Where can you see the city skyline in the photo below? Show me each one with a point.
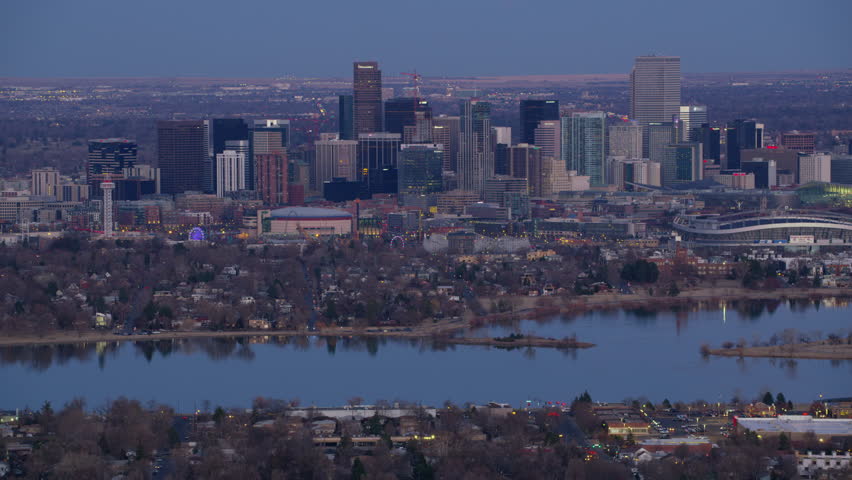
(169, 40)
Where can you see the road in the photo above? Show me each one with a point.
(164, 464)
(571, 431)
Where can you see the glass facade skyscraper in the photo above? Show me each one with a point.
(476, 155)
(584, 145)
(419, 169)
(681, 163)
(346, 117)
(377, 161)
(533, 112)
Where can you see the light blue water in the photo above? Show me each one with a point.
(654, 355)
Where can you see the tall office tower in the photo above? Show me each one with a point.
(377, 161)
(182, 153)
(841, 169)
(765, 172)
(798, 141)
(711, 143)
(108, 155)
(548, 137)
(346, 117)
(421, 131)
(502, 135)
(445, 131)
(419, 171)
(742, 135)
(628, 172)
(625, 140)
(222, 131)
(681, 163)
(814, 167)
(501, 159)
(476, 157)
(660, 134)
(271, 172)
(408, 112)
(525, 162)
(532, 113)
(230, 172)
(267, 136)
(335, 159)
(692, 117)
(367, 97)
(43, 181)
(584, 145)
(654, 92)
(107, 187)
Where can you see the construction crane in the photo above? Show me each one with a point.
(415, 79)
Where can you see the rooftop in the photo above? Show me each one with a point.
(798, 424)
(309, 212)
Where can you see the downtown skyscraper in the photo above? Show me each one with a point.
(367, 97)
(654, 92)
(584, 145)
(182, 154)
(476, 156)
(532, 113)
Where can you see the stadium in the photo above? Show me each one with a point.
(305, 221)
(784, 227)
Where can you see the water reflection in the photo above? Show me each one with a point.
(43, 357)
(644, 318)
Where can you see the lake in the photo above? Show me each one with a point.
(638, 354)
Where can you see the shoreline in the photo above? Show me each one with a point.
(821, 350)
(525, 341)
(528, 308)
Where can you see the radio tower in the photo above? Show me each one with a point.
(107, 186)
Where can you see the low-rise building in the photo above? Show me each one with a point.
(796, 427)
(812, 464)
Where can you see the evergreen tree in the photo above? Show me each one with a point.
(768, 398)
(358, 470)
(218, 415)
(783, 442)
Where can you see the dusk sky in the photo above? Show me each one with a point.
(253, 38)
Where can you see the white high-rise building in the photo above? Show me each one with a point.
(503, 135)
(691, 118)
(654, 91)
(814, 167)
(230, 172)
(107, 186)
